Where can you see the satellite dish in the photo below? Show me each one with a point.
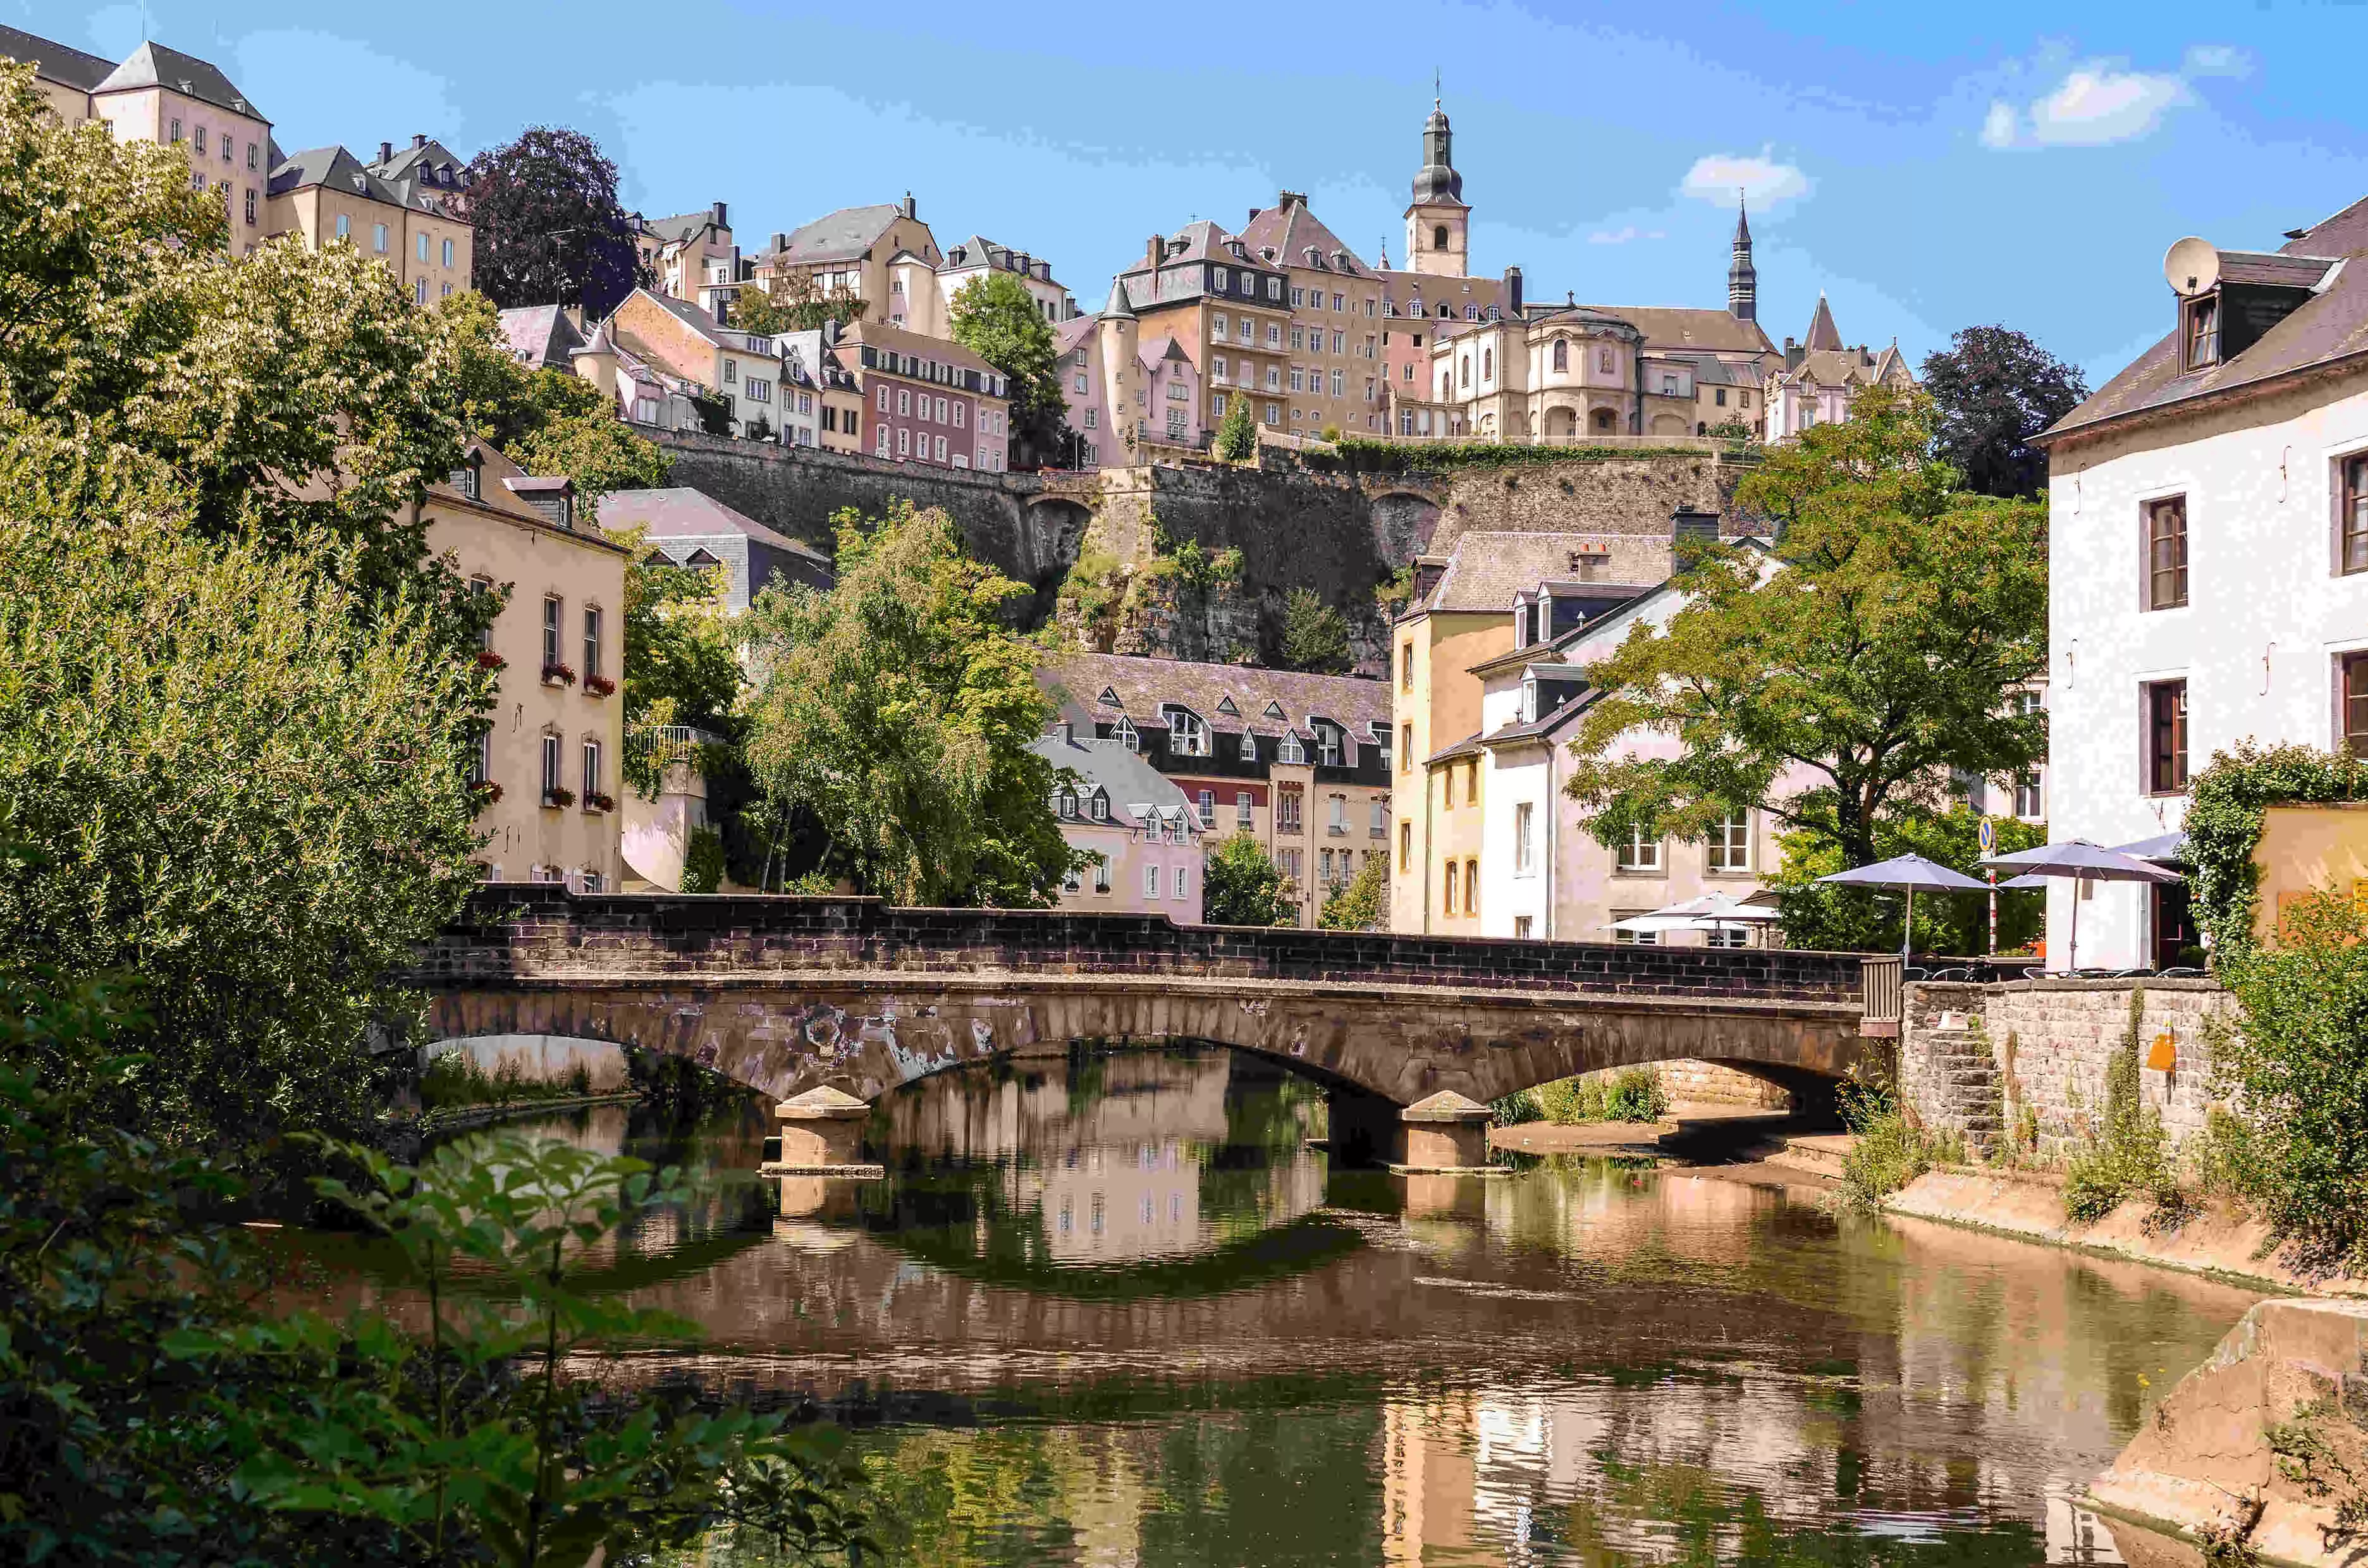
(2192, 266)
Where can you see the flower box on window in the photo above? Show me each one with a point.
(488, 793)
(598, 686)
(558, 674)
(558, 795)
(489, 660)
(596, 801)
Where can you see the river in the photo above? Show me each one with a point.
(1118, 1312)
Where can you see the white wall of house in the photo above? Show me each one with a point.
(2260, 642)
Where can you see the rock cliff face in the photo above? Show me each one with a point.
(2254, 1455)
(1340, 535)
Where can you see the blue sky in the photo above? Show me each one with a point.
(1928, 167)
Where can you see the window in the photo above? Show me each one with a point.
(1729, 845)
(550, 764)
(1439, 236)
(1718, 396)
(254, 155)
(1187, 735)
(551, 608)
(961, 415)
(1092, 421)
(1525, 860)
(1290, 752)
(941, 449)
(422, 245)
(481, 758)
(1151, 882)
(419, 290)
(1124, 734)
(591, 770)
(1101, 813)
(1405, 843)
(1471, 782)
(851, 416)
(730, 372)
(1405, 749)
(1381, 823)
(2027, 803)
(1242, 804)
(1632, 938)
(2204, 333)
(250, 207)
(2166, 707)
(196, 140)
(1640, 853)
(1249, 746)
(1447, 907)
(378, 238)
(757, 389)
(1562, 354)
(1070, 882)
(1603, 360)
(2166, 553)
(1287, 809)
(1339, 826)
(2354, 695)
(1487, 364)
(904, 442)
(1180, 874)
(882, 402)
(344, 225)
(881, 443)
(2354, 516)
(905, 401)
(1471, 887)
(448, 253)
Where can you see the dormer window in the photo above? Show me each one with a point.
(1225, 705)
(1101, 808)
(1292, 753)
(1249, 746)
(1124, 734)
(1274, 711)
(2203, 332)
(1069, 807)
(1529, 701)
(1109, 699)
(1187, 735)
(464, 477)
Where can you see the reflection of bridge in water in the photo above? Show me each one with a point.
(788, 995)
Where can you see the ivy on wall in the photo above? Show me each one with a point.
(2226, 805)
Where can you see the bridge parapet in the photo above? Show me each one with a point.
(515, 931)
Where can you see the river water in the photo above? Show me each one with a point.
(1116, 1312)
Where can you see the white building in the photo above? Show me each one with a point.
(977, 256)
(2208, 549)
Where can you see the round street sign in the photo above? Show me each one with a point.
(1989, 836)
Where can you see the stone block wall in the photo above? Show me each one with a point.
(2034, 1052)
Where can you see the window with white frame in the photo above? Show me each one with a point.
(591, 770)
(1249, 746)
(1151, 882)
(1181, 873)
(1292, 753)
(591, 641)
(1638, 853)
(1101, 874)
(1243, 801)
(1124, 734)
(553, 778)
(1187, 735)
(1525, 852)
(1729, 846)
(1208, 804)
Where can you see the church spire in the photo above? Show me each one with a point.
(1742, 277)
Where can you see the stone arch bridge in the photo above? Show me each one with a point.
(789, 993)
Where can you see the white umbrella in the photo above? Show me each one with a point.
(1907, 873)
(2078, 857)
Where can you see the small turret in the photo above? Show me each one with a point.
(1742, 277)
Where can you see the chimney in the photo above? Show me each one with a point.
(1068, 732)
(418, 139)
(385, 153)
(1428, 570)
(830, 333)
(910, 210)
(780, 241)
(1253, 217)
(1512, 290)
(716, 211)
(1150, 251)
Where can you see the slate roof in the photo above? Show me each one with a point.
(1672, 326)
(1163, 346)
(1290, 227)
(424, 155)
(1141, 685)
(979, 251)
(681, 512)
(1068, 335)
(1487, 570)
(337, 167)
(682, 227)
(541, 335)
(153, 65)
(2329, 328)
(58, 62)
(1823, 334)
(842, 235)
(1136, 790)
(945, 351)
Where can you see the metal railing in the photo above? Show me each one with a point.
(1880, 980)
(664, 745)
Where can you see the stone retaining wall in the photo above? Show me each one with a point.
(2025, 1061)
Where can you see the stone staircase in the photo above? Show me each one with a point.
(1962, 1092)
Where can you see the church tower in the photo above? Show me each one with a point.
(1437, 223)
(1742, 277)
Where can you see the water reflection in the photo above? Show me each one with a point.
(1114, 1311)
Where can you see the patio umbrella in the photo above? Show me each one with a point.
(2168, 847)
(2078, 857)
(1907, 873)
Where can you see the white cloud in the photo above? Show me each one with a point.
(2101, 102)
(1761, 178)
(1624, 235)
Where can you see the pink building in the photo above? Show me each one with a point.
(1145, 834)
(932, 400)
(1127, 397)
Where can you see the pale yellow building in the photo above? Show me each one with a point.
(329, 197)
(883, 255)
(691, 257)
(1335, 378)
(551, 762)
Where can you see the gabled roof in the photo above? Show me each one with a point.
(153, 65)
(424, 154)
(58, 62)
(885, 334)
(1069, 335)
(1487, 570)
(1163, 347)
(683, 227)
(842, 235)
(2331, 326)
(1822, 331)
(1841, 368)
(334, 168)
(1291, 228)
(541, 335)
(979, 251)
(681, 512)
(1137, 790)
(1273, 701)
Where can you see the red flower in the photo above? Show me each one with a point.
(488, 793)
(558, 674)
(558, 795)
(596, 801)
(489, 660)
(598, 686)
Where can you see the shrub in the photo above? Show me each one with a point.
(1513, 1109)
(2129, 1156)
(703, 860)
(1885, 1156)
(1633, 1093)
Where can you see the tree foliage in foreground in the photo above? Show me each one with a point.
(1848, 919)
(152, 1411)
(1241, 886)
(791, 301)
(1875, 652)
(896, 711)
(549, 228)
(1362, 903)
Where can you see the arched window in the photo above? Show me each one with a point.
(1562, 354)
(1446, 384)
(1602, 419)
(1467, 369)
(1187, 735)
(1487, 364)
(1439, 236)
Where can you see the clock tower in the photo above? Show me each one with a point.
(1438, 222)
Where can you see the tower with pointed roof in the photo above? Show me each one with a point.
(1438, 222)
(1118, 340)
(1742, 277)
(1823, 334)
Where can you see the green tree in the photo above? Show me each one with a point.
(791, 301)
(682, 658)
(1242, 887)
(1846, 919)
(1315, 634)
(1237, 437)
(1362, 903)
(550, 230)
(996, 317)
(1993, 389)
(237, 786)
(896, 711)
(1875, 650)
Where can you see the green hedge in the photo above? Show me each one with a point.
(1364, 455)
(2226, 807)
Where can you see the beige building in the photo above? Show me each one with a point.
(739, 370)
(329, 197)
(1299, 761)
(161, 95)
(977, 256)
(883, 255)
(1228, 310)
(1145, 839)
(1571, 372)
(550, 762)
(691, 257)
(1335, 377)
